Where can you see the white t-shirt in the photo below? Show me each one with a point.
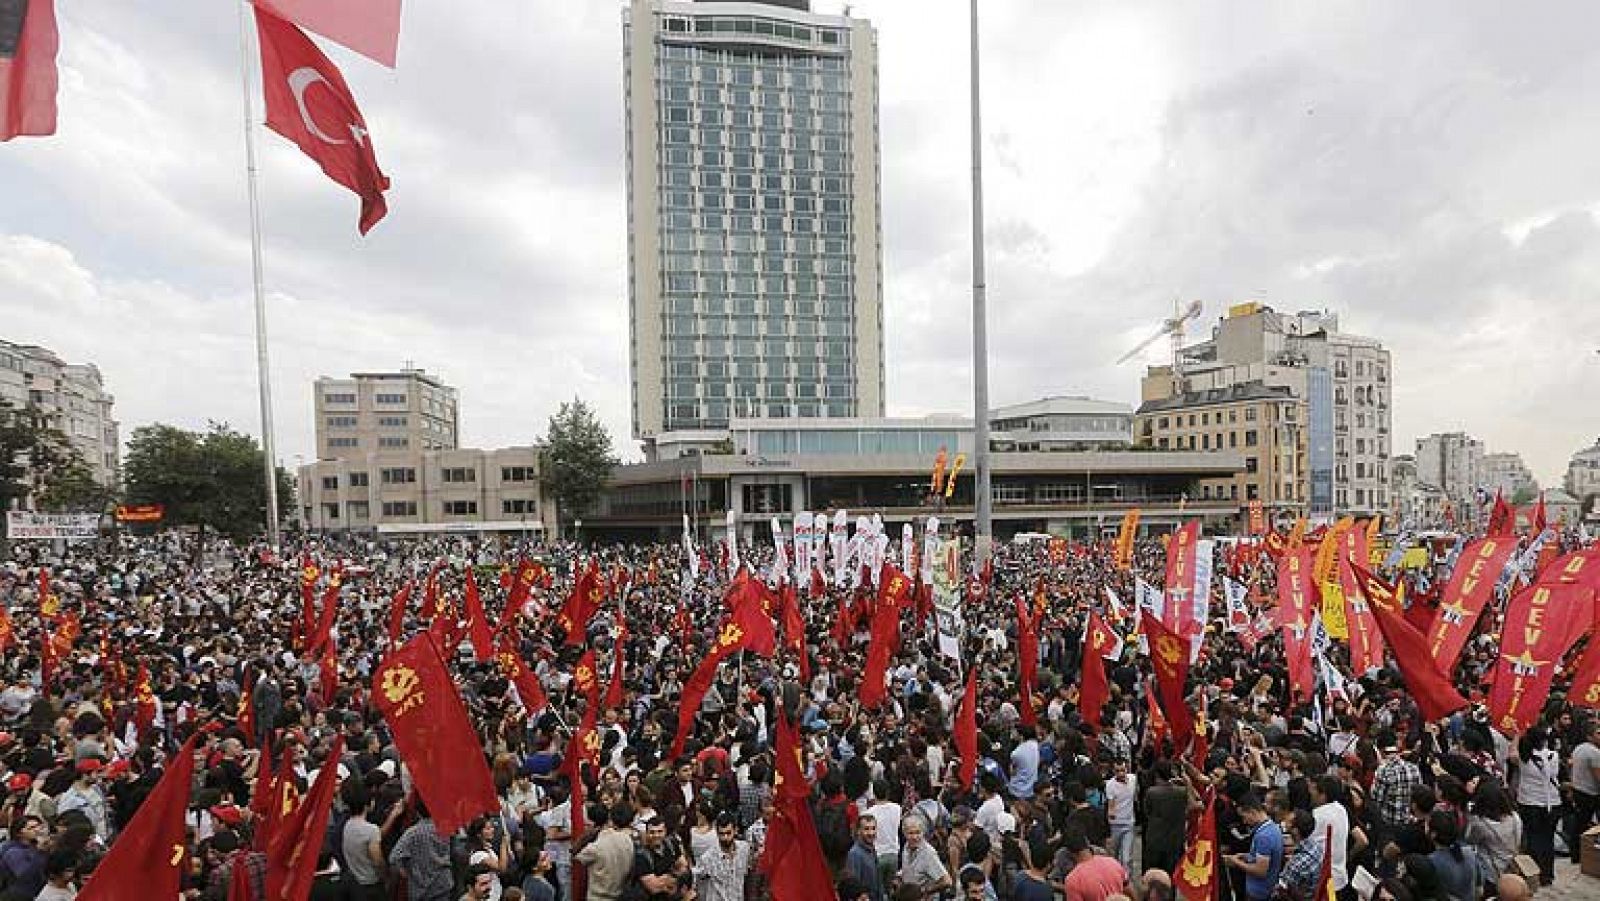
(887, 816)
(1585, 763)
(1119, 800)
(1333, 814)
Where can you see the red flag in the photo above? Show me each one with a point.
(245, 718)
(28, 44)
(267, 803)
(145, 704)
(572, 764)
(966, 731)
(414, 692)
(747, 627)
(1542, 623)
(586, 676)
(478, 621)
(1027, 661)
(1366, 643)
(292, 854)
(1093, 686)
(614, 690)
(1502, 519)
(146, 859)
(1196, 874)
(588, 592)
(328, 672)
(1324, 890)
(1540, 519)
(397, 612)
(1296, 606)
(896, 588)
(1431, 689)
(792, 858)
(526, 682)
(7, 633)
(239, 887)
(309, 574)
(1181, 550)
(522, 583)
(1586, 676)
(432, 604)
(1468, 591)
(369, 27)
(1170, 655)
(318, 640)
(309, 103)
(1158, 720)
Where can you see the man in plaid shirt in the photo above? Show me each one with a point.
(1303, 868)
(1392, 784)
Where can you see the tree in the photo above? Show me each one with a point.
(577, 459)
(37, 462)
(209, 479)
(1524, 495)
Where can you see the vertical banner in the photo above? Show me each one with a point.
(689, 552)
(1471, 584)
(930, 548)
(908, 549)
(838, 538)
(1257, 518)
(780, 554)
(802, 546)
(1200, 603)
(1180, 575)
(732, 531)
(1125, 538)
(948, 586)
(1366, 643)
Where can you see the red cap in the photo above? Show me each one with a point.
(21, 782)
(117, 768)
(89, 765)
(227, 813)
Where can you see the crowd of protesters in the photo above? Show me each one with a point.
(1416, 811)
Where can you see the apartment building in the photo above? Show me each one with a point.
(380, 412)
(1266, 424)
(74, 400)
(414, 491)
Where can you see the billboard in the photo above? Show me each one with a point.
(22, 525)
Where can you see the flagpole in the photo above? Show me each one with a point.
(263, 380)
(983, 511)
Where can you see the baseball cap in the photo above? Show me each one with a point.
(89, 765)
(20, 782)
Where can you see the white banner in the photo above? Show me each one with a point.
(802, 546)
(22, 525)
(947, 588)
(1200, 601)
(780, 555)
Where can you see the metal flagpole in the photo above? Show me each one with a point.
(268, 448)
(983, 525)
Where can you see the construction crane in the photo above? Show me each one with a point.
(1173, 327)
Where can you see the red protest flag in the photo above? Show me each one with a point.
(432, 604)
(529, 690)
(1296, 606)
(146, 859)
(1325, 890)
(885, 634)
(747, 627)
(145, 705)
(1542, 623)
(1027, 661)
(1170, 655)
(522, 583)
(28, 45)
(1366, 643)
(966, 731)
(588, 592)
(1196, 874)
(1502, 518)
(397, 612)
(1094, 688)
(478, 621)
(414, 692)
(1429, 687)
(318, 640)
(309, 103)
(586, 677)
(1471, 585)
(1158, 720)
(309, 574)
(618, 658)
(369, 27)
(245, 715)
(292, 853)
(792, 858)
(328, 672)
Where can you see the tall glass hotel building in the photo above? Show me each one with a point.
(755, 274)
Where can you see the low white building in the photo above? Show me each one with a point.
(459, 490)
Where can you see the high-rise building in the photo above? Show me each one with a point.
(73, 399)
(1453, 463)
(1507, 474)
(1343, 380)
(373, 412)
(754, 236)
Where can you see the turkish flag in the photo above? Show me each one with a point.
(414, 692)
(28, 44)
(292, 853)
(369, 27)
(309, 103)
(146, 860)
(966, 731)
(1428, 685)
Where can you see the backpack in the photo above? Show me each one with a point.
(833, 829)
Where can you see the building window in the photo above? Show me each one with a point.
(1233, 439)
(338, 398)
(1205, 418)
(358, 480)
(1161, 443)
(358, 509)
(517, 474)
(459, 475)
(1250, 438)
(399, 508)
(1162, 423)
(330, 483)
(1249, 414)
(1251, 492)
(393, 422)
(461, 508)
(391, 398)
(398, 475)
(519, 507)
(341, 422)
(1361, 497)
(346, 441)
(394, 441)
(1250, 464)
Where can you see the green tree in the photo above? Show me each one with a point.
(37, 462)
(1524, 495)
(209, 479)
(577, 459)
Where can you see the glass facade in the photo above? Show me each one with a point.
(755, 187)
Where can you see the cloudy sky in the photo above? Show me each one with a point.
(1427, 169)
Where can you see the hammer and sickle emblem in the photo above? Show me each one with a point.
(595, 595)
(1167, 647)
(1197, 865)
(399, 683)
(731, 635)
(897, 584)
(1099, 640)
(309, 574)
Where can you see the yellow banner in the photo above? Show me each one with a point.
(1333, 611)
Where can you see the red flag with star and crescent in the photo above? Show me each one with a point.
(309, 103)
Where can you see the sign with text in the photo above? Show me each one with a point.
(140, 512)
(22, 525)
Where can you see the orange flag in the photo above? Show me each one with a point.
(146, 859)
